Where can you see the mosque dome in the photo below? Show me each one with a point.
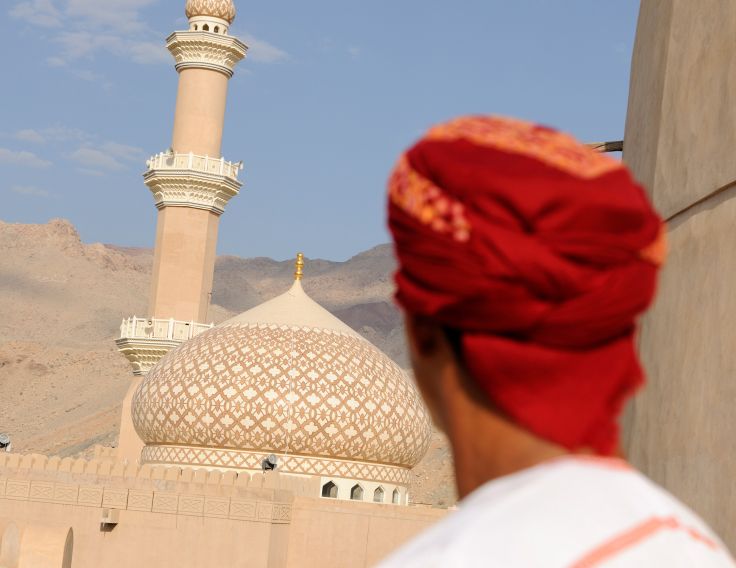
(222, 9)
(285, 378)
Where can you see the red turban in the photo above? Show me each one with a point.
(542, 252)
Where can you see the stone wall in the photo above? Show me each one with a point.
(680, 138)
(149, 516)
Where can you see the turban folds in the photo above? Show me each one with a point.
(542, 252)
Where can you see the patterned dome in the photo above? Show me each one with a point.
(287, 378)
(223, 9)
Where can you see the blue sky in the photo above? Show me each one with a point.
(331, 92)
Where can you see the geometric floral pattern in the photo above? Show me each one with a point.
(233, 459)
(223, 9)
(261, 389)
(427, 203)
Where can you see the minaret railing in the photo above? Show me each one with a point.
(163, 329)
(194, 162)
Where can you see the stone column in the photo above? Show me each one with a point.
(680, 142)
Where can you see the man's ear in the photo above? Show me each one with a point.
(426, 338)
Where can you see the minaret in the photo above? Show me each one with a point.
(191, 184)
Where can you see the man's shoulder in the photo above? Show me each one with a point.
(550, 516)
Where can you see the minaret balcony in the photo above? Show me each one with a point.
(195, 162)
(144, 341)
(191, 180)
(206, 50)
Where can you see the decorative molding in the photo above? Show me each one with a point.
(190, 188)
(143, 354)
(303, 465)
(205, 50)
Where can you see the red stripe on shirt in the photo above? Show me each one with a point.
(636, 536)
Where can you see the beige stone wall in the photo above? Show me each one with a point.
(161, 516)
(184, 263)
(326, 533)
(680, 139)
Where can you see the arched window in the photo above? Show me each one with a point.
(378, 495)
(395, 497)
(206, 28)
(196, 27)
(217, 29)
(329, 490)
(356, 493)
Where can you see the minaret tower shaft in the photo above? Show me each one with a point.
(191, 184)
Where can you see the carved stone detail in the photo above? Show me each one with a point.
(204, 50)
(143, 354)
(305, 465)
(187, 188)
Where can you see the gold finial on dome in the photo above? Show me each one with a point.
(299, 273)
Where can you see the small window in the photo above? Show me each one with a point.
(378, 495)
(356, 493)
(329, 490)
(217, 29)
(196, 27)
(206, 28)
(395, 497)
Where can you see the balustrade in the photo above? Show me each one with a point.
(190, 161)
(164, 329)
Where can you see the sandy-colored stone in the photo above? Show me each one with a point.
(680, 135)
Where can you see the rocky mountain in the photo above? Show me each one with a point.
(62, 301)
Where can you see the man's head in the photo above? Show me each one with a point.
(525, 259)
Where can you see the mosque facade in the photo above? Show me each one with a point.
(279, 438)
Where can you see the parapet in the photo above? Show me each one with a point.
(261, 497)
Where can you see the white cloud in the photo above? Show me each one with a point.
(59, 133)
(38, 12)
(354, 51)
(30, 191)
(261, 51)
(77, 45)
(120, 15)
(123, 152)
(30, 135)
(115, 27)
(93, 158)
(22, 158)
(109, 157)
(56, 133)
(147, 52)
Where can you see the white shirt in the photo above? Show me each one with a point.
(573, 512)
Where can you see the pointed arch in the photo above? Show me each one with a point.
(329, 490)
(356, 493)
(378, 495)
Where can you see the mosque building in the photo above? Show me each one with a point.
(283, 439)
(279, 438)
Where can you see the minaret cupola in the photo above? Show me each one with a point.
(214, 16)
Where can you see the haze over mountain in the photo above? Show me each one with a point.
(62, 301)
